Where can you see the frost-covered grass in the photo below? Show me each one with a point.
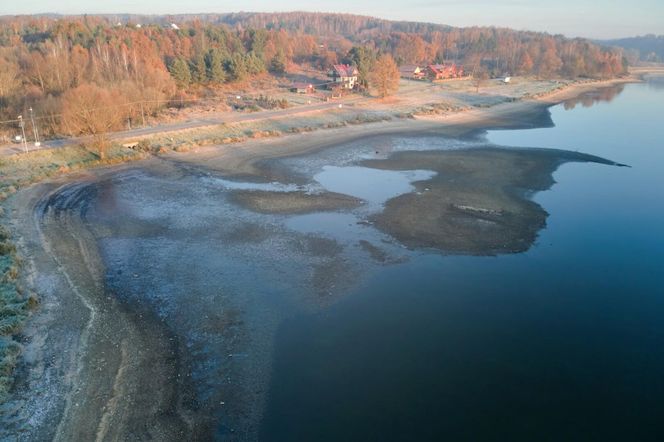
(18, 171)
(239, 132)
(14, 309)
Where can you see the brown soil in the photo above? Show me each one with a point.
(293, 202)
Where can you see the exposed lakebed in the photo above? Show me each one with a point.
(221, 263)
(324, 305)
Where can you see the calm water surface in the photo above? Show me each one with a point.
(564, 342)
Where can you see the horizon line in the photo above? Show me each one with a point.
(166, 14)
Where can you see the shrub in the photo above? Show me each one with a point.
(144, 145)
(9, 352)
(7, 248)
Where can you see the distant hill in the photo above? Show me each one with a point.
(644, 48)
(350, 26)
(347, 25)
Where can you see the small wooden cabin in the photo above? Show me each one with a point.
(303, 88)
(412, 72)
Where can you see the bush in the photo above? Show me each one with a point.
(7, 248)
(11, 324)
(270, 103)
(14, 309)
(144, 146)
(9, 352)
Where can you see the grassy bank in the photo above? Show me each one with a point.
(15, 305)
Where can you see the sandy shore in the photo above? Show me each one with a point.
(106, 372)
(510, 114)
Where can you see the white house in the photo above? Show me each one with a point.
(343, 75)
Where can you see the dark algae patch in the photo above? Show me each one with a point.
(479, 201)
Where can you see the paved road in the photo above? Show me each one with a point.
(226, 117)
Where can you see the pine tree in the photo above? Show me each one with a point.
(236, 66)
(254, 64)
(215, 66)
(199, 69)
(180, 72)
(258, 39)
(363, 58)
(278, 62)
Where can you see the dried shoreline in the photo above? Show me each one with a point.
(246, 160)
(80, 324)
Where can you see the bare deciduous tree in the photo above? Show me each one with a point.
(385, 76)
(91, 110)
(480, 77)
(9, 77)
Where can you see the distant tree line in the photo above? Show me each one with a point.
(649, 48)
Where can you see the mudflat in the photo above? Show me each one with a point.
(293, 202)
(479, 201)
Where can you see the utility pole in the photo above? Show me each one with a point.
(34, 128)
(22, 124)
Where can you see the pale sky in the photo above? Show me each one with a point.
(583, 18)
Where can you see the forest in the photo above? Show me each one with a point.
(648, 48)
(137, 65)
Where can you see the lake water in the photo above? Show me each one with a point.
(563, 342)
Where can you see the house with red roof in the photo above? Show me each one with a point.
(343, 76)
(444, 71)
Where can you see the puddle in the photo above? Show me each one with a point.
(343, 227)
(374, 186)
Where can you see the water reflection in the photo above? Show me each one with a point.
(591, 98)
(655, 82)
(372, 185)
